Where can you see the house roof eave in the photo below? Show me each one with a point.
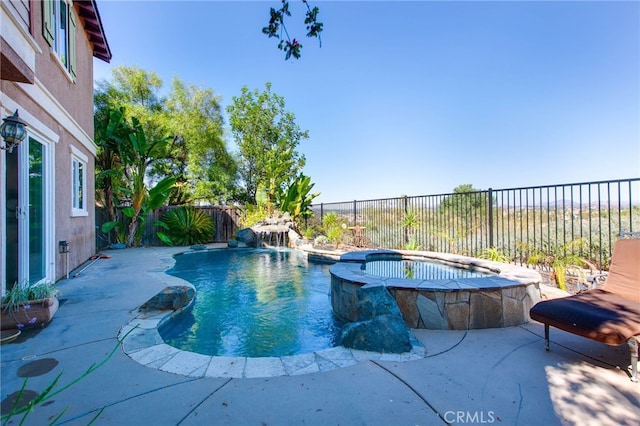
(88, 11)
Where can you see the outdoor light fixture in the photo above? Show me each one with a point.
(13, 131)
(63, 247)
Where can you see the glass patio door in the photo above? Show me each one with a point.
(11, 215)
(36, 209)
(26, 222)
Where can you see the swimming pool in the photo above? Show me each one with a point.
(253, 303)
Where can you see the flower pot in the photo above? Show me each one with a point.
(33, 314)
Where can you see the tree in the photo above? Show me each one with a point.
(136, 90)
(465, 201)
(465, 210)
(278, 29)
(110, 130)
(197, 155)
(267, 137)
(136, 154)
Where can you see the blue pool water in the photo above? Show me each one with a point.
(419, 269)
(255, 303)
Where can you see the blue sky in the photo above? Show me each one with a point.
(415, 98)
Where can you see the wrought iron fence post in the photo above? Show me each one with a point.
(490, 210)
(355, 204)
(406, 211)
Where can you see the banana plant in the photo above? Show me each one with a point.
(137, 154)
(110, 130)
(298, 198)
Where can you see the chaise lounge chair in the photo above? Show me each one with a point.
(610, 314)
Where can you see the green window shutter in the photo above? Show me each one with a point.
(48, 21)
(72, 44)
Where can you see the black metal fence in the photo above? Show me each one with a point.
(584, 219)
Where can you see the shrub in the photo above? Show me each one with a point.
(23, 293)
(187, 225)
(253, 214)
(330, 219)
(560, 259)
(412, 245)
(494, 254)
(334, 235)
(308, 232)
(333, 229)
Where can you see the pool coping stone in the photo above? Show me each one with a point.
(142, 342)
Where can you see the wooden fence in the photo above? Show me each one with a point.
(225, 218)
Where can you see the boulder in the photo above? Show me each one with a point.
(171, 298)
(384, 333)
(379, 326)
(375, 300)
(247, 238)
(286, 218)
(294, 238)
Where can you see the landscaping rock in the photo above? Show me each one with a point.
(385, 333)
(247, 238)
(375, 300)
(379, 326)
(295, 240)
(171, 298)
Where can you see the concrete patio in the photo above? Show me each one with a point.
(501, 376)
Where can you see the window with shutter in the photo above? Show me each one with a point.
(72, 45)
(47, 21)
(59, 29)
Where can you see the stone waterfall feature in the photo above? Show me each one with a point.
(278, 230)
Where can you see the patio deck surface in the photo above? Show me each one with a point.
(501, 376)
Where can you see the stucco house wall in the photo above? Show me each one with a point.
(58, 108)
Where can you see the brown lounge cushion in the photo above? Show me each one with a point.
(597, 314)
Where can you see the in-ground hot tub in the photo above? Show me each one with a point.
(493, 295)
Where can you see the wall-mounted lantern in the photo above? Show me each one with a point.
(63, 248)
(13, 131)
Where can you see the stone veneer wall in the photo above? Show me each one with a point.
(502, 300)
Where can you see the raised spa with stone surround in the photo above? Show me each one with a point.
(502, 299)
